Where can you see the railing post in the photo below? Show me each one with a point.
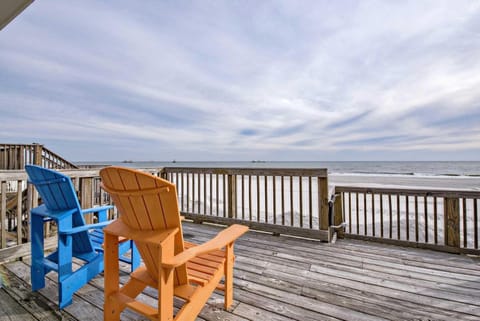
(18, 157)
(2, 156)
(86, 193)
(37, 154)
(232, 196)
(22, 157)
(163, 174)
(19, 212)
(3, 215)
(9, 158)
(323, 202)
(32, 202)
(452, 221)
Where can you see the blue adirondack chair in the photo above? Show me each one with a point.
(76, 239)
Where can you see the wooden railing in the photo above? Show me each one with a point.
(17, 198)
(280, 201)
(16, 156)
(438, 219)
(288, 201)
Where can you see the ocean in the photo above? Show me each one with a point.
(432, 175)
(409, 168)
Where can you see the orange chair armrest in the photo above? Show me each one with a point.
(222, 239)
(119, 228)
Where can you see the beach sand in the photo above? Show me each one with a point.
(404, 181)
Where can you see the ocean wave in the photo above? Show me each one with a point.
(407, 174)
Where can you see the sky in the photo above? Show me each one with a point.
(244, 80)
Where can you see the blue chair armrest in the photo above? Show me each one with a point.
(43, 211)
(97, 209)
(101, 210)
(84, 228)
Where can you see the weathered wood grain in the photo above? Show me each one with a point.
(9, 311)
(19, 290)
(283, 278)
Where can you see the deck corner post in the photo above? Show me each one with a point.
(452, 222)
(323, 202)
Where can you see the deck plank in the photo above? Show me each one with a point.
(9, 311)
(43, 310)
(282, 278)
(80, 309)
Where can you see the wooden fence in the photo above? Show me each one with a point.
(17, 198)
(16, 156)
(280, 201)
(438, 219)
(288, 201)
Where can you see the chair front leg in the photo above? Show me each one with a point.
(165, 282)
(64, 249)
(229, 261)
(111, 308)
(65, 257)
(37, 252)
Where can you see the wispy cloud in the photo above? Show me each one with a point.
(243, 80)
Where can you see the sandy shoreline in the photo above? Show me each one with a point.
(402, 181)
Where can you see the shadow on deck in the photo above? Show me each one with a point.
(282, 278)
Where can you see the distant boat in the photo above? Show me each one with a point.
(127, 161)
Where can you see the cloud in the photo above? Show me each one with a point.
(235, 80)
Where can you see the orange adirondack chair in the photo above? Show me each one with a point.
(149, 216)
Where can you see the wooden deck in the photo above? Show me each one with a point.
(282, 278)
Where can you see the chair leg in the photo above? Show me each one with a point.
(165, 282)
(229, 261)
(111, 309)
(65, 297)
(135, 257)
(76, 280)
(64, 262)
(37, 269)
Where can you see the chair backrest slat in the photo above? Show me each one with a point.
(55, 188)
(58, 194)
(155, 209)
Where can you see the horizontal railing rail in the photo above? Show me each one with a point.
(283, 201)
(438, 219)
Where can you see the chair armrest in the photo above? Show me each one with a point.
(43, 211)
(96, 209)
(119, 228)
(84, 228)
(225, 237)
(101, 210)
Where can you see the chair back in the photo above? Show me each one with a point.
(146, 203)
(58, 195)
